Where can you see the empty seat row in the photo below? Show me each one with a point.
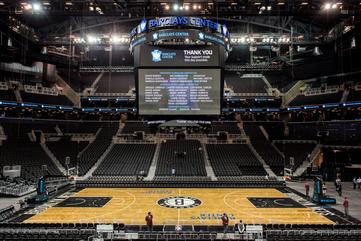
(264, 148)
(316, 99)
(234, 160)
(127, 160)
(186, 157)
(30, 156)
(230, 127)
(132, 126)
(64, 148)
(297, 151)
(96, 149)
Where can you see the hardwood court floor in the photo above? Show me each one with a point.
(130, 205)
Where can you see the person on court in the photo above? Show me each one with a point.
(225, 222)
(345, 205)
(307, 187)
(149, 221)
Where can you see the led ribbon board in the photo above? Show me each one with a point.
(190, 34)
(191, 28)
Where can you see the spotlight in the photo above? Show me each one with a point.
(353, 42)
(26, 6)
(115, 39)
(317, 51)
(327, 6)
(91, 39)
(186, 7)
(199, 6)
(79, 40)
(181, 8)
(194, 7)
(334, 6)
(167, 7)
(175, 7)
(36, 7)
(269, 8)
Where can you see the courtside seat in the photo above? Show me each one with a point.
(132, 228)
(179, 182)
(109, 179)
(182, 179)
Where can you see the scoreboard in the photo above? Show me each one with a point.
(179, 91)
(178, 56)
(179, 80)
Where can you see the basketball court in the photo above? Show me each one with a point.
(178, 206)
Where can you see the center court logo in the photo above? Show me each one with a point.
(156, 55)
(179, 202)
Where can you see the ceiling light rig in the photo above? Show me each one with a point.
(329, 6)
(185, 7)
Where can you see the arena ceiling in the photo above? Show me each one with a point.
(53, 20)
(54, 16)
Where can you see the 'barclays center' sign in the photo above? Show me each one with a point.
(180, 21)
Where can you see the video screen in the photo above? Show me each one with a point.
(179, 91)
(159, 57)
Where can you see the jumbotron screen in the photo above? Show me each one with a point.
(179, 91)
